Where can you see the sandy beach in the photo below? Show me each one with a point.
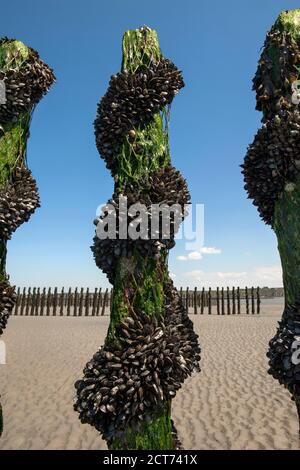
(231, 404)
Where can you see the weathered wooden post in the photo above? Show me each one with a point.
(222, 301)
(48, 302)
(24, 79)
(61, 302)
(228, 301)
(238, 294)
(38, 301)
(87, 302)
(28, 301)
(17, 301)
(257, 300)
(271, 171)
(181, 294)
(23, 302)
(209, 301)
(195, 301)
(247, 300)
(43, 300)
(145, 358)
(218, 301)
(105, 297)
(32, 303)
(187, 299)
(99, 300)
(233, 301)
(69, 301)
(202, 301)
(81, 302)
(252, 301)
(55, 302)
(94, 305)
(75, 301)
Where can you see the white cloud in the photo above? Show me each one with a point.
(269, 273)
(172, 275)
(196, 255)
(182, 258)
(210, 250)
(193, 255)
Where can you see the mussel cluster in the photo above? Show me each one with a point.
(272, 84)
(272, 159)
(24, 86)
(128, 380)
(284, 358)
(18, 200)
(7, 301)
(130, 101)
(165, 187)
(271, 163)
(122, 385)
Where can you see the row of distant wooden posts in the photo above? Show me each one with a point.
(36, 301)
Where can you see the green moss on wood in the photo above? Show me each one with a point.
(288, 22)
(148, 152)
(287, 228)
(287, 208)
(13, 143)
(13, 54)
(139, 281)
(149, 296)
(154, 436)
(120, 305)
(13, 139)
(140, 48)
(13, 136)
(143, 292)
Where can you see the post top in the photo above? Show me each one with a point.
(140, 47)
(12, 53)
(289, 22)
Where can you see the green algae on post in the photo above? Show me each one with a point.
(288, 22)
(272, 177)
(140, 48)
(13, 54)
(150, 348)
(26, 80)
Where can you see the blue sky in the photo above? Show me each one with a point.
(217, 45)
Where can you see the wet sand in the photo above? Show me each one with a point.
(232, 404)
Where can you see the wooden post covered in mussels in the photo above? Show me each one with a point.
(272, 177)
(151, 347)
(24, 79)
